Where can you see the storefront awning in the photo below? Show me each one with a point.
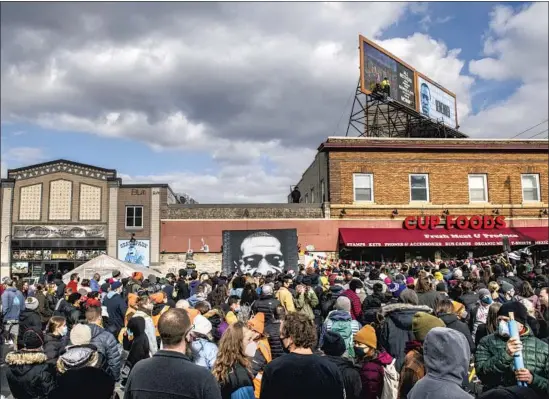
(353, 237)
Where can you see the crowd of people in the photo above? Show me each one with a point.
(416, 331)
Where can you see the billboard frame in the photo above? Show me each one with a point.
(361, 41)
(451, 94)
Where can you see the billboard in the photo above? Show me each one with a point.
(377, 64)
(136, 252)
(260, 251)
(435, 102)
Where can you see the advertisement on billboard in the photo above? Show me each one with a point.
(136, 252)
(435, 102)
(260, 251)
(377, 64)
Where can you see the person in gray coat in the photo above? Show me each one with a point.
(446, 354)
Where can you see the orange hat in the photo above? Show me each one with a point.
(257, 323)
(192, 313)
(138, 276)
(132, 300)
(367, 336)
(158, 297)
(458, 307)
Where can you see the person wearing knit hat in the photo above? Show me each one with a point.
(413, 368)
(334, 348)
(204, 351)
(422, 323)
(80, 335)
(28, 373)
(507, 292)
(29, 319)
(257, 323)
(410, 282)
(339, 320)
(373, 360)
(494, 356)
(409, 296)
(458, 274)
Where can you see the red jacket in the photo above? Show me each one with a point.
(73, 284)
(371, 375)
(356, 305)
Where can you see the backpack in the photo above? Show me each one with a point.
(344, 328)
(390, 382)
(265, 349)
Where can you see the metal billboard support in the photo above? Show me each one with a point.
(375, 115)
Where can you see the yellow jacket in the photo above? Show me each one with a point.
(286, 299)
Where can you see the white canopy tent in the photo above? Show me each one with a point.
(104, 265)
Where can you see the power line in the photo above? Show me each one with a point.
(343, 112)
(530, 128)
(537, 134)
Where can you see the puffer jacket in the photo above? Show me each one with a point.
(204, 353)
(396, 329)
(79, 356)
(108, 346)
(273, 331)
(29, 374)
(54, 345)
(266, 304)
(371, 375)
(494, 366)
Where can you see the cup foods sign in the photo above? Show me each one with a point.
(462, 222)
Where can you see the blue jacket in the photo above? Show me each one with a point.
(204, 353)
(13, 303)
(116, 307)
(94, 285)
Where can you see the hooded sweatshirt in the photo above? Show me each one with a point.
(446, 356)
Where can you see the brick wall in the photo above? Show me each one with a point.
(448, 176)
(134, 196)
(248, 211)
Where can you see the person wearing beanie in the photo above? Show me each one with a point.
(413, 368)
(446, 356)
(29, 319)
(266, 303)
(396, 330)
(355, 287)
(340, 321)
(204, 351)
(494, 356)
(372, 362)
(135, 283)
(373, 278)
(29, 374)
(258, 349)
(334, 349)
(506, 292)
(446, 311)
(116, 308)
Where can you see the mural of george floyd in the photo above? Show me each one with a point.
(260, 251)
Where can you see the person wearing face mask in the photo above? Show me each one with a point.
(232, 367)
(231, 316)
(300, 373)
(56, 338)
(355, 287)
(479, 311)
(136, 342)
(144, 309)
(494, 358)
(373, 363)
(506, 292)
(258, 349)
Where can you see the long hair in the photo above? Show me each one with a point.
(231, 352)
(492, 318)
(423, 283)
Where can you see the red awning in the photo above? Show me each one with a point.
(353, 237)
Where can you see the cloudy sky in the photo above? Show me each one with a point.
(229, 101)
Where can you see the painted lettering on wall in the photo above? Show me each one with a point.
(461, 222)
(136, 191)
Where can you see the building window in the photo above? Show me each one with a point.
(134, 217)
(478, 188)
(419, 187)
(312, 195)
(530, 188)
(363, 187)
